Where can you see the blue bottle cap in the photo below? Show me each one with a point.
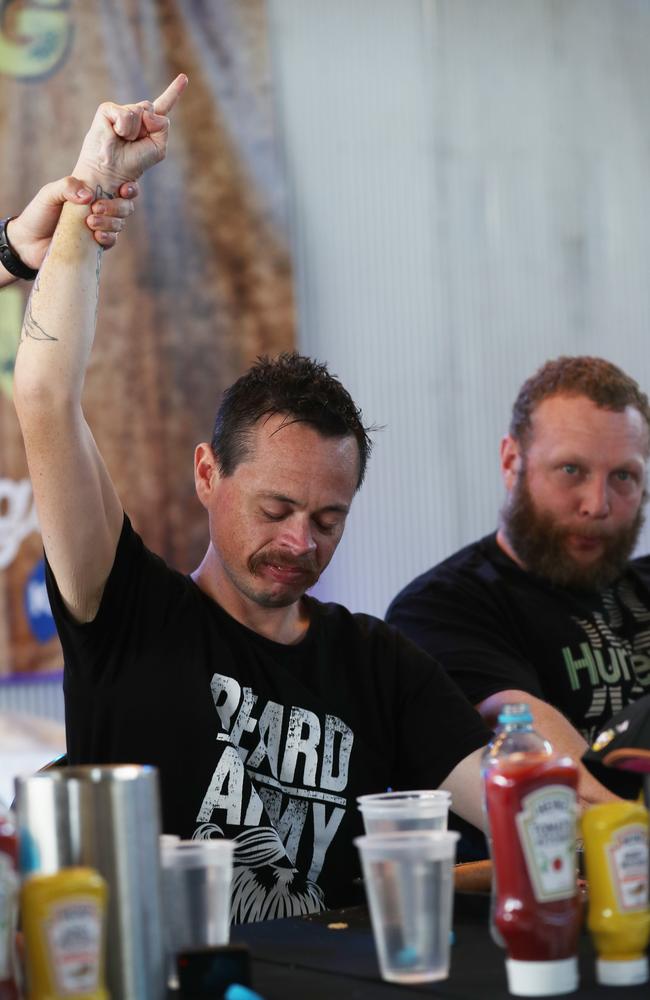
(518, 713)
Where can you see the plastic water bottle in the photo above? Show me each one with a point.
(514, 735)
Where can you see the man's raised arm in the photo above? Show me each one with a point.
(79, 511)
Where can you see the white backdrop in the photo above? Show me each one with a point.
(469, 195)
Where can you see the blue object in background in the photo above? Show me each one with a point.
(37, 605)
(237, 992)
(29, 856)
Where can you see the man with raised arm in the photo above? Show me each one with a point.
(266, 712)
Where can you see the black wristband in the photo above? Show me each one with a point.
(10, 259)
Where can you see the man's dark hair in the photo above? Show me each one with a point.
(599, 380)
(293, 385)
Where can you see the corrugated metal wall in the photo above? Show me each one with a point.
(33, 694)
(469, 196)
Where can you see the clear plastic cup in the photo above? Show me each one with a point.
(396, 812)
(196, 882)
(409, 884)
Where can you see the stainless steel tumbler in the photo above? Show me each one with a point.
(107, 818)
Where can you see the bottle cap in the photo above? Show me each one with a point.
(628, 972)
(538, 979)
(515, 712)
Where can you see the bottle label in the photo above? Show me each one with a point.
(8, 890)
(627, 854)
(547, 832)
(74, 937)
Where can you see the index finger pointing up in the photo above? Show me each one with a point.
(163, 104)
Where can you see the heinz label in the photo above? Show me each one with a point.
(74, 936)
(627, 855)
(547, 832)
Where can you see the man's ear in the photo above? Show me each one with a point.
(511, 460)
(206, 472)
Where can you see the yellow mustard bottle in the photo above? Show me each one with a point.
(616, 861)
(64, 924)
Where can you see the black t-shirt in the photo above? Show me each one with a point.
(255, 740)
(494, 626)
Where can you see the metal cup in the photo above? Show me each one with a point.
(107, 818)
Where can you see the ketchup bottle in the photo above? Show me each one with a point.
(514, 734)
(532, 807)
(8, 904)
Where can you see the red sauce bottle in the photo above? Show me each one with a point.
(8, 904)
(532, 807)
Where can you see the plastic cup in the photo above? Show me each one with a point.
(409, 885)
(397, 812)
(196, 880)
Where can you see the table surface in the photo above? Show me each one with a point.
(307, 959)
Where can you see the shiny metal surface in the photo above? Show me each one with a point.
(108, 818)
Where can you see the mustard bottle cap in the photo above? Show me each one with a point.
(628, 972)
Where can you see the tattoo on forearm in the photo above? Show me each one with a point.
(100, 193)
(37, 283)
(98, 268)
(32, 330)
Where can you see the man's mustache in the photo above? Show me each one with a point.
(305, 564)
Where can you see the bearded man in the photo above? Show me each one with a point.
(551, 609)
